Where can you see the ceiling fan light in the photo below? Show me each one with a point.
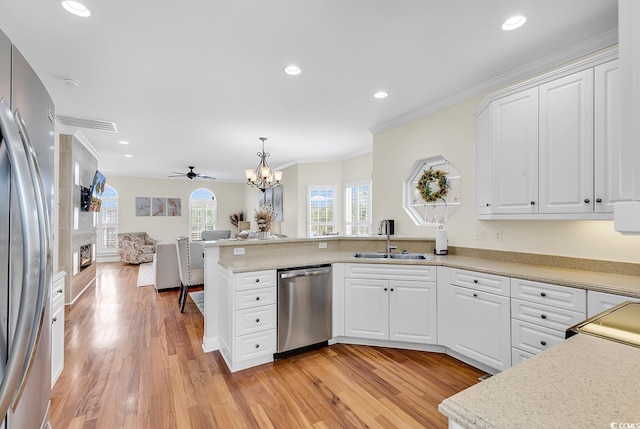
(76, 8)
(514, 22)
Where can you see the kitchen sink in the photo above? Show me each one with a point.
(382, 255)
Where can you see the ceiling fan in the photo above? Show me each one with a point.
(192, 174)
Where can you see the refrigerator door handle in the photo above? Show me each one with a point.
(21, 176)
(44, 252)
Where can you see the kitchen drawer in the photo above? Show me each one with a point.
(533, 338)
(554, 295)
(255, 279)
(545, 315)
(256, 319)
(254, 346)
(255, 298)
(391, 272)
(518, 356)
(479, 281)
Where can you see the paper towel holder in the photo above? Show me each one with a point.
(441, 247)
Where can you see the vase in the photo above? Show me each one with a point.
(264, 234)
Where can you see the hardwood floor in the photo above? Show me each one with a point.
(132, 360)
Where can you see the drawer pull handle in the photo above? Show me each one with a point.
(544, 343)
(54, 320)
(543, 294)
(257, 298)
(544, 316)
(475, 295)
(475, 281)
(257, 320)
(598, 200)
(59, 290)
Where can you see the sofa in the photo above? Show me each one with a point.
(165, 266)
(136, 247)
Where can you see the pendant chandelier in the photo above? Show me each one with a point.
(262, 177)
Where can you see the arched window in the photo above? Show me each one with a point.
(107, 228)
(203, 208)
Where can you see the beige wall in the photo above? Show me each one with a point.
(451, 133)
(230, 197)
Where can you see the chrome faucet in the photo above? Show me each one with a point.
(389, 246)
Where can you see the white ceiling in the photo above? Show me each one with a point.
(197, 82)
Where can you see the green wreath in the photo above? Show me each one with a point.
(424, 185)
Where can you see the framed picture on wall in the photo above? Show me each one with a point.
(143, 206)
(174, 207)
(159, 207)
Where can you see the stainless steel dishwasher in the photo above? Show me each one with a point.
(304, 308)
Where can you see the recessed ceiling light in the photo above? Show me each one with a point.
(292, 70)
(514, 22)
(123, 142)
(381, 94)
(75, 8)
(128, 156)
(71, 82)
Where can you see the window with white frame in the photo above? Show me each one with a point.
(203, 208)
(357, 208)
(107, 228)
(320, 213)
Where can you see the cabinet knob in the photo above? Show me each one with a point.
(598, 200)
(487, 204)
(257, 298)
(257, 280)
(587, 200)
(544, 343)
(59, 290)
(475, 281)
(475, 295)
(391, 289)
(54, 320)
(533, 203)
(385, 289)
(543, 294)
(257, 320)
(544, 316)
(257, 346)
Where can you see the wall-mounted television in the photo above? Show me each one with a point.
(96, 190)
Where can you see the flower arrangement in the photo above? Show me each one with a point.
(236, 217)
(264, 217)
(424, 185)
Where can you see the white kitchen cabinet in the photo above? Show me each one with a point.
(384, 309)
(483, 162)
(514, 153)
(608, 152)
(566, 144)
(541, 313)
(57, 326)
(247, 317)
(597, 302)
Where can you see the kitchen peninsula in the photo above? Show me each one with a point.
(504, 276)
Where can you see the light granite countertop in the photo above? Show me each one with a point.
(583, 382)
(589, 280)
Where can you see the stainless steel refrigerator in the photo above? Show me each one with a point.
(26, 197)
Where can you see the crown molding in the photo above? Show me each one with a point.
(60, 128)
(602, 41)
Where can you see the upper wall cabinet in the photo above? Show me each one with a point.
(549, 148)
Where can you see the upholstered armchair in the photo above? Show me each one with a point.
(136, 247)
(190, 266)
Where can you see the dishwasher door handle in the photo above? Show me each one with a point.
(305, 273)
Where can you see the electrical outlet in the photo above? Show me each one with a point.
(480, 234)
(322, 245)
(498, 235)
(238, 250)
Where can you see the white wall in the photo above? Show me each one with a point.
(451, 133)
(230, 197)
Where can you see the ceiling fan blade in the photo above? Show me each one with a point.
(205, 176)
(178, 175)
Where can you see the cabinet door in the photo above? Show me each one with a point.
(483, 159)
(514, 153)
(57, 343)
(366, 309)
(412, 312)
(608, 154)
(566, 144)
(481, 328)
(597, 302)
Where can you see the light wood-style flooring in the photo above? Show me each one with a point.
(132, 360)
